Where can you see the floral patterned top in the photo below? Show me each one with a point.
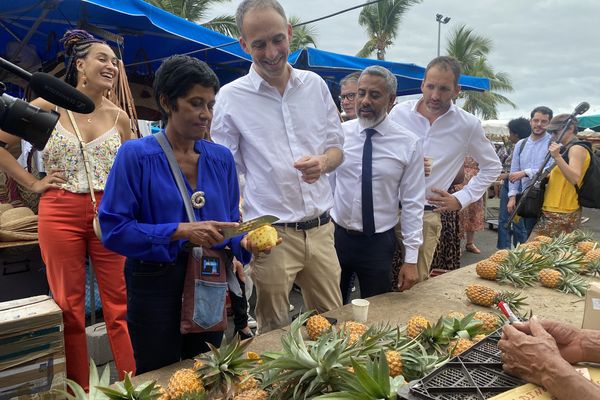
(64, 152)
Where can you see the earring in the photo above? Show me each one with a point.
(84, 83)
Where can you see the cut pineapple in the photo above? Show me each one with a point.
(263, 237)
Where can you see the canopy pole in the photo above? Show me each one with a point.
(48, 5)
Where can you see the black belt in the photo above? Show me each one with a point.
(426, 208)
(306, 225)
(349, 231)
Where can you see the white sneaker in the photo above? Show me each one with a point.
(292, 308)
(251, 322)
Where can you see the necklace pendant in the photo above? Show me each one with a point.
(198, 200)
(89, 120)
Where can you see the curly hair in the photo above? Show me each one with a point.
(77, 43)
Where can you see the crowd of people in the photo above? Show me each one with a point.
(362, 199)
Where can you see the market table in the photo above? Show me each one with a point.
(431, 299)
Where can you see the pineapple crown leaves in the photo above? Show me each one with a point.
(575, 284)
(221, 365)
(466, 327)
(94, 381)
(515, 300)
(125, 390)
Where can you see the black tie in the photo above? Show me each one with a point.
(367, 185)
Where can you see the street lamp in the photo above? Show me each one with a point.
(440, 20)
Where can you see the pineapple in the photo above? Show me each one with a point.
(459, 346)
(542, 239)
(487, 269)
(499, 256)
(184, 382)
(566, 283)
(254, 394)
(394, 361)
(592, 256)
(478, 338)
(487, 297)
(356, 328)
(316, 325)
(263, 237)
(586, 246)
(455, 314)
(415, 325)
(490, 322)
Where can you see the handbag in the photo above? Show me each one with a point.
(86, 165)
(206, 276)
(530, 202)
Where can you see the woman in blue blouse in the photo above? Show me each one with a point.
(142, 212)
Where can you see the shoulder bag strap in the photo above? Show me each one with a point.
(164, 143)
(86, 160)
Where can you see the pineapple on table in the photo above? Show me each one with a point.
(263, 237)
(416, 324)
(566, 283)
(488, 297)
(490, 322)
(499, 256)
(317, 325)
(459, 345)
(253, 394)
(184, 383)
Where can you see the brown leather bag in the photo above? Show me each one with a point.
(204, 291)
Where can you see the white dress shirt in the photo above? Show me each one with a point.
(398, 174)
(268, 132)
(529, 160)
(450, 138)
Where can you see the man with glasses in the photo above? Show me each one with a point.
(528, 157)
(348, 88)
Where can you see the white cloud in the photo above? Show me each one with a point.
(548, 47)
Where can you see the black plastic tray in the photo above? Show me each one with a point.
(476, 374)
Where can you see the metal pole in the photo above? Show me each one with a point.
(439, 33)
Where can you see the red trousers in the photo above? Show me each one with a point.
(66, 238)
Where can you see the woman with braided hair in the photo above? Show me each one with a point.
(67, 209)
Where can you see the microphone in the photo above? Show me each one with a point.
(581, 108)
(52, 89)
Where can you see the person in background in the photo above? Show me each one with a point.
(382, 165)
(143, 215)
(348, 88)
(66, 236)
(283, 128)
(561, 211)
(543, 351)
(448, 134)
(528, 156)
(510, 233)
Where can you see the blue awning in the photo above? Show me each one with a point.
(333, 67)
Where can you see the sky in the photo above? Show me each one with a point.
(549, 48)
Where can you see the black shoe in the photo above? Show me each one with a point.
(243, 335)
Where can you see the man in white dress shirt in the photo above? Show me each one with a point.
(283, 128)
(448, 134)
(383, 163)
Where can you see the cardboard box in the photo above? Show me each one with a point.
(591, 313)
(98, 344)
(32, 359)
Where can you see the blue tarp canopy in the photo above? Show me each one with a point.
(333, 67)
(148, 33)
(590, 121)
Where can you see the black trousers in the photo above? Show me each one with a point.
(370, 258)
(154, 312)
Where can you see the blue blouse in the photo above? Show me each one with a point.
(142, 206)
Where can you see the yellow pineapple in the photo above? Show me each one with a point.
(499, 256)
(184, 382)
(455, 315)
(586, 246)
(489, 320)
(542, 239)
(415, 325)
(316, 325)
(566, 283)
(487, 297)
(458, 346)
(353, 327)
(549, 277)
(590, 257)
(487, 269)
(254, 394)
(394, 361)
(263, 237)
(246, 382)
(478, 338)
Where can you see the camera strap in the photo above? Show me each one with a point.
(86, 161)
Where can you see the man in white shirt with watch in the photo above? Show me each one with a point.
(283, 128)
(382, 164)
(448, 134)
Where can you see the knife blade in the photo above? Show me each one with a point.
(249, 225)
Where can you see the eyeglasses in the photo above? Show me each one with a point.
(349, 96)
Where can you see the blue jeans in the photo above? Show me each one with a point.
(516, 231)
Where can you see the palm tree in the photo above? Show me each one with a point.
(303, 35)
(196, 10)
(381, 20)
(472, 51)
